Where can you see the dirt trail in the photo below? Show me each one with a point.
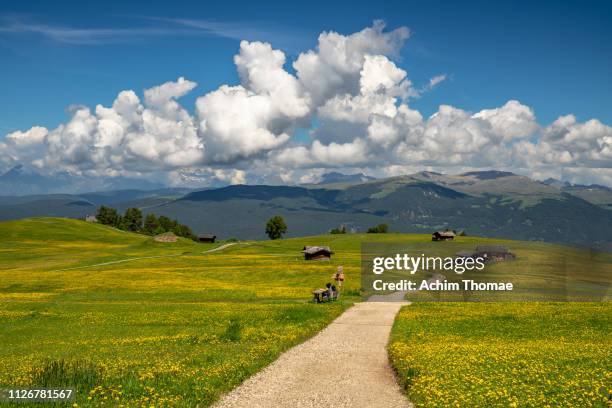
(345, 365)
(138, 258)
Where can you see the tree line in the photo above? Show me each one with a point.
(133, 221)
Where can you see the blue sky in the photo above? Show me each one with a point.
(553, 56)
(526, 88)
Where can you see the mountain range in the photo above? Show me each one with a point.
(19, 181)
(488, 203)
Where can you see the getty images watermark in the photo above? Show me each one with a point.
(434, 271)
(413, 264)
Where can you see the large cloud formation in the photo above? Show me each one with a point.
(349, 96)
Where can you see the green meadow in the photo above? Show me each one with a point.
(514, 354)
(133, 322)
(175, 328)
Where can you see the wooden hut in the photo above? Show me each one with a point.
(317, 253)
(210, 238)
(446, 235)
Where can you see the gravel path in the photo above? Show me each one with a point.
(345, 365)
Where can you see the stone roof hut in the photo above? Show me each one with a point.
(317, 253)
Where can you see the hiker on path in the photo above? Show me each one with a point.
(339, 278)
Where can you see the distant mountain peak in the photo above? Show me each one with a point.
(488, 174)
(556, 183)
(600, 187)
(14, 171)
(428, 174)
(21, 177)
(23, 180)
(336, 177)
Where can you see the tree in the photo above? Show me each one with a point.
(107, 216)
(184, 231)
(379, 229)
(276, 227)
(166, 223)
(151, 224)
(132, 220)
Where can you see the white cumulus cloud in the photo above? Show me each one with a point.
(347, 99)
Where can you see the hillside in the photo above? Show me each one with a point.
(491, 203)
(66, 243)
(48, 247)
(77, 206)
(173, 324)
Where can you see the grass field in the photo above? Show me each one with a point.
(174, 330)
(179, 327)
(505, 354)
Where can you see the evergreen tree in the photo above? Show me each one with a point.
(166, 223)
(132, 220)
(151, 224)
(107, 216)
(159, 230)
(184, 231)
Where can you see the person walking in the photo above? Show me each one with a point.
(339, 278)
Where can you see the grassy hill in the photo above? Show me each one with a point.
(172, 325)
(177, 327)
(59, 243)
